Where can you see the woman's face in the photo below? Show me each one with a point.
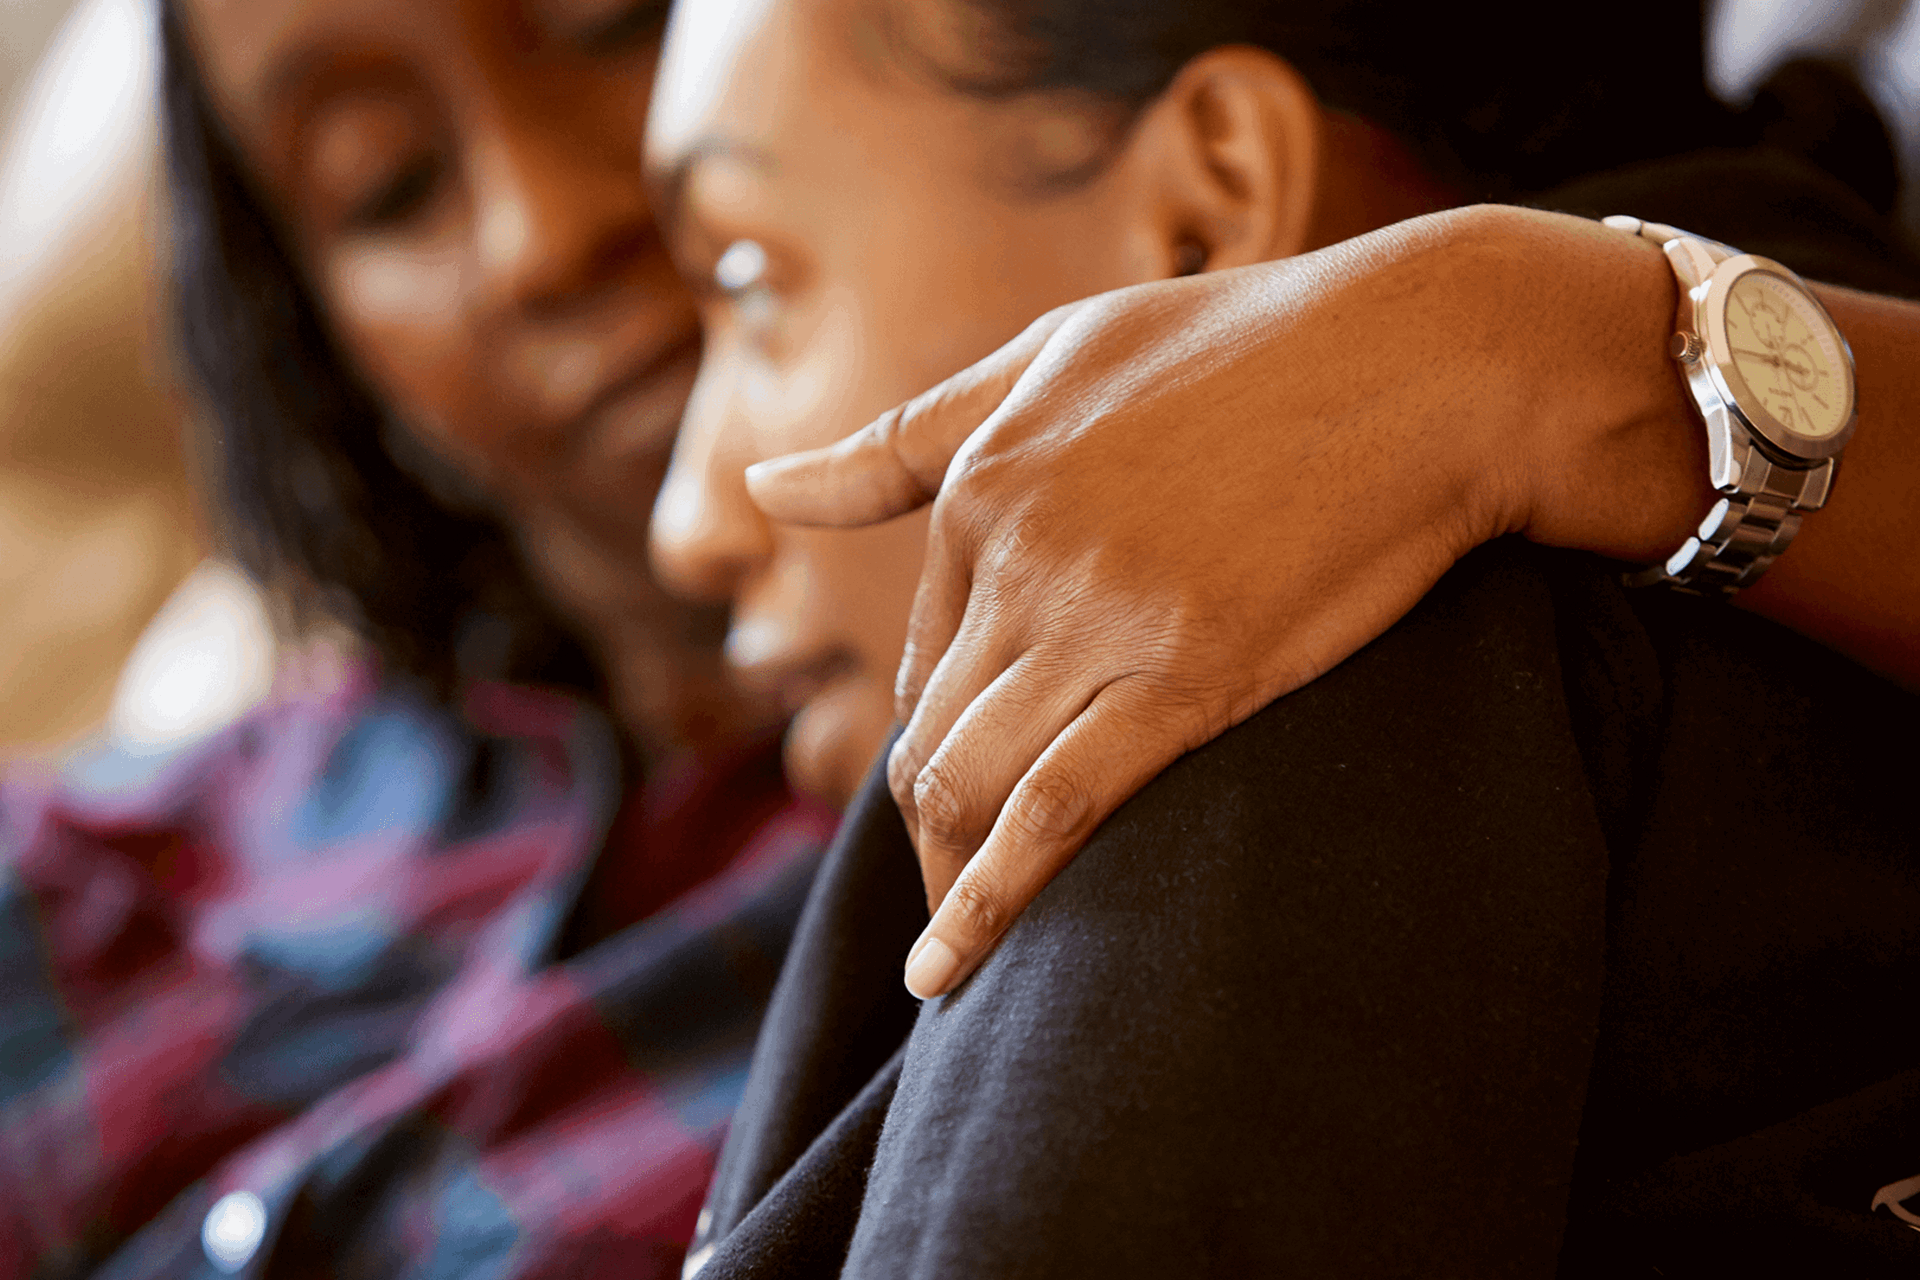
(460, 182)
(857, 232)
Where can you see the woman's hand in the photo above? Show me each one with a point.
(1161, 508)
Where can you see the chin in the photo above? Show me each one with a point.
(832, 741)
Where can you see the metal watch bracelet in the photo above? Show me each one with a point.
(1762, 500)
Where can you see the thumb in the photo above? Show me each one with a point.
(896, 462)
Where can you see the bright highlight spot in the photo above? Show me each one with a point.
(234, 1230)
(204, 660)
(742, 266)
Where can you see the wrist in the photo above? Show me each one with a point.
(1616, 458)
(1478, 336)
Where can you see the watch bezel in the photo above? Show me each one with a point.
(1733, 386)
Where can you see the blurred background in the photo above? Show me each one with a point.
(114, 620)
(111, 618)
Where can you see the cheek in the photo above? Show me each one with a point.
(395, 290)
(402, 322)
(862, 586)
(867, 579)
(939, 302)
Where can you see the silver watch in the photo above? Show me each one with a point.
(1773, 379)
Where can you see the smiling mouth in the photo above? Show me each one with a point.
(623, 415)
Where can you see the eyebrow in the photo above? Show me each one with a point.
(671, 180)
(288, 77)
(303, 76)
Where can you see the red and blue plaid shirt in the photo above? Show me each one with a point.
(351, 990)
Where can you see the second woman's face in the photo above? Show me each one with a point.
(858, 232)
(460, 183)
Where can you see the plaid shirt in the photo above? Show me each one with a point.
(298, 1000)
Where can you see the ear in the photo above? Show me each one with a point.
(1231, 158)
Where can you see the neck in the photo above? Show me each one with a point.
(1368, 180)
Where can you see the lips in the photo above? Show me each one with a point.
(611, 455)
(792, 683)
(640, 412)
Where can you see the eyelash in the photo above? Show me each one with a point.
(398, 200)
(638, 24)
(739, 279)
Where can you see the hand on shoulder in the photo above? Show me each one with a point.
(1161, 508)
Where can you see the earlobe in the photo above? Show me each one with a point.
(1234, 145)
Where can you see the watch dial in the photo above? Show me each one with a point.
(1787, 351)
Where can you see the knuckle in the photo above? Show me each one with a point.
(995, 465)
(887, 428)
(911, 680)
(970, 483)
(1026, 529)
(1052, 320)
(903, 769)
(964, 512)
(895, 432)
(1049, 807)
(976, 906)
(1020, 552)
(946, 819)
(1185, 708)
(953, 394)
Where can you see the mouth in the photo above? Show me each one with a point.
(794, 682)
(638, 413)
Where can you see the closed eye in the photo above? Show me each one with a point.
(742, 279)
(636, 24)
(399, 200)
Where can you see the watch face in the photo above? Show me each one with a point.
(1787, 352)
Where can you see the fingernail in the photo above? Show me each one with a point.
(771, 468)
(930, 967)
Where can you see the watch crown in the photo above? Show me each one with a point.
(1685, 347)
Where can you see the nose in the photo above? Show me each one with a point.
(557, 209)
(707, 537)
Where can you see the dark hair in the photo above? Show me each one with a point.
(312, 499)
(1473, 90)
(300, 455)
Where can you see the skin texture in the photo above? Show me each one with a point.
(459, 181)
(1387, 468)
(1028, 723)
(773, 123)
(490, 314)
(1103, 594)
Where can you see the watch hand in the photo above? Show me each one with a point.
(1778, 362)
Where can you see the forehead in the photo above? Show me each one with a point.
(255, 51)
(712, 48)
(756, 69)
(857, 91)
(268, 62)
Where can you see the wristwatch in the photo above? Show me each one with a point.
(1773, 379)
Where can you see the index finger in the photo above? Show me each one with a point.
(896, 462)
